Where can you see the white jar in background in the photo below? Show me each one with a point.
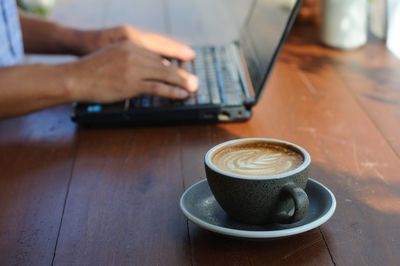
(344, 23)
(393, 36)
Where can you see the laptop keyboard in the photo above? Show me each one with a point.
(218, 82)
(209, 74)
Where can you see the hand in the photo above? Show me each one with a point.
(125, 70)
(93, 40)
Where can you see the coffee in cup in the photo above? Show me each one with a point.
(259, 180)
(256, 159)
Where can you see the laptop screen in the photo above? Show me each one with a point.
(263, 34)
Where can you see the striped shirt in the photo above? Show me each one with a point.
(11, 45)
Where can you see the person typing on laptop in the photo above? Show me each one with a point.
(117, 63)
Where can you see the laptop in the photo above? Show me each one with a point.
(232, 77)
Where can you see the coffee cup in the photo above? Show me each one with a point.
(259, 180)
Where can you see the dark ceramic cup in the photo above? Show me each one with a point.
(259, 200)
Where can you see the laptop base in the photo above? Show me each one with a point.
(115, 116)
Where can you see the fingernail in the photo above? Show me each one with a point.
(193, 83)
(182, 93)
(190, 52)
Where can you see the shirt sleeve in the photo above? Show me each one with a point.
(11, 45)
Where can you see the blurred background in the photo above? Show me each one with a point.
(341, 24)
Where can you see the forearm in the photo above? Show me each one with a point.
(25, 89)
(46, 37)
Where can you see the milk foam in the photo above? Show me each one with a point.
(257, 159)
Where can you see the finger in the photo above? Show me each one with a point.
(168, 47)
(174, 76)
(164, 90)
(142, 52)
(141, 56)
(149, 62)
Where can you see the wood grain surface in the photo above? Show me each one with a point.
(72, 196)
(36, 159)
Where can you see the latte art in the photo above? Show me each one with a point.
(257, 159)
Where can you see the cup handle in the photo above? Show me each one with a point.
(300, 200)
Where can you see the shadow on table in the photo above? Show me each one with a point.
(107, 175)
(366, 218)
(305, 50)
(35, 149)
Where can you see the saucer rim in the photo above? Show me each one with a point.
(259, 234)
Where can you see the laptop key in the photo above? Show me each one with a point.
(188, 66)
(135, 102)
(233, 98)
(203, 99)
(229, 68)
(145, 101)
(215, 97)
(190, 101)
(203, 94)
(233, 74)
(212, 81)
(175, 62)
(232, 91)
(233, 94)
(198, 51)
(218, 74)
(173, 102)
(159, 101)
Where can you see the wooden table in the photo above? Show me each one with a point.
(71, 196)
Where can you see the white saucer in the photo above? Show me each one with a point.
(199, 205)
